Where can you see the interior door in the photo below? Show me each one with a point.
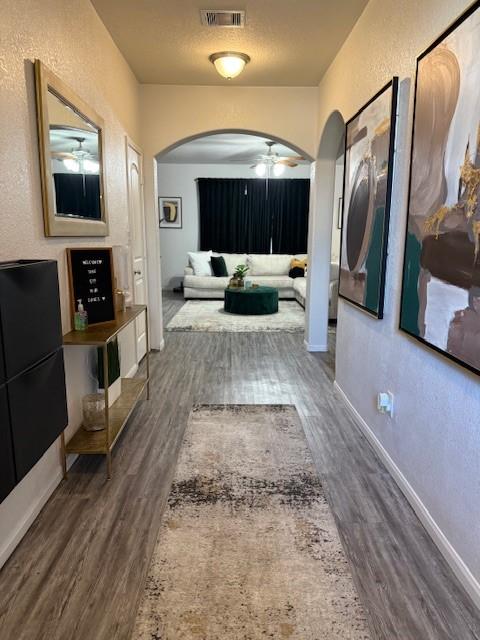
(137, 242)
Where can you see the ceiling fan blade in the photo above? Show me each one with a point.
(62, 154)
(287, 162)
(293, 158)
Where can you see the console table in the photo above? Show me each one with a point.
(116, 416)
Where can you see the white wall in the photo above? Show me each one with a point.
(434, 436)
(180, 180)
(70, 39)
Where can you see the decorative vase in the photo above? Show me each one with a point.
(94, 412)
(236, 283)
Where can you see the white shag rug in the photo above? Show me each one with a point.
(208, 315)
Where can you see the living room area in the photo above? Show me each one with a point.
(233, 211)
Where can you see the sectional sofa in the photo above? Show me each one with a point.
(264, 269)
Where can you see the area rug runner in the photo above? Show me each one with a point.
(208, 315)
(248, 547)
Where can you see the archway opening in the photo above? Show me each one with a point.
(213, 154)
(324, 234)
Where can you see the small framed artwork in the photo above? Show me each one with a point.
(170, 213)
(367, 186)
(440, 303)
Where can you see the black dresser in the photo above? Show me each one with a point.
(33, 403)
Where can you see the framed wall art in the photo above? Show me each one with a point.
(170, 213)
(369, 150)
(441, 275)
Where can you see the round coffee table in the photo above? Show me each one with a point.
(257, 301)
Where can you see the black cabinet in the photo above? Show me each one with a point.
(7, 464)
(33, 404)
(38, 410)
(29, 313)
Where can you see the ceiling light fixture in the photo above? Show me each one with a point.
(229, 64)
(261, 169)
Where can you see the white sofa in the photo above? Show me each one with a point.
(264, 269)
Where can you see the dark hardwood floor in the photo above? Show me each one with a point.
(80, 570)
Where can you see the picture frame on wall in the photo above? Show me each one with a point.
(440, 301)
(367, 187)
(170, 213)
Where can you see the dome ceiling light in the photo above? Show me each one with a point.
(229, 64)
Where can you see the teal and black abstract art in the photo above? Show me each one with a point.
(368, 170)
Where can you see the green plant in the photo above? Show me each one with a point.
(240, 271)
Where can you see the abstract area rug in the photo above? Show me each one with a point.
(248, 547)
(208, 315)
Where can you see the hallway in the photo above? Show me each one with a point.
(80, 570)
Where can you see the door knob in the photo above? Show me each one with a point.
(137, 273)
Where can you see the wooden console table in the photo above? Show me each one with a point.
(116, 416)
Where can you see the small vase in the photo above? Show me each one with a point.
(236, 283)
(94, 412)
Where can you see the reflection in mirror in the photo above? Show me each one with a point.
(75, 161)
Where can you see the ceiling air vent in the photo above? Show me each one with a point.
(218, 18)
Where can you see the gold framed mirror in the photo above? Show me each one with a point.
(71, 159)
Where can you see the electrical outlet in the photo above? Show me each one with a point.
(385, 403)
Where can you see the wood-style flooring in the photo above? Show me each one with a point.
(79, 572)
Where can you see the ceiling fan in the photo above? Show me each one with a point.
(79, 159)
(272, 161)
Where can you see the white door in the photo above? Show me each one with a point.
(137, 242)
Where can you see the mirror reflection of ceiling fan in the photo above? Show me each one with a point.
(79, 159)
(272, 162)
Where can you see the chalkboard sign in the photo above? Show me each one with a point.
(91, 281)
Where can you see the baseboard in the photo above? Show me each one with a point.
(7, 550)
(315, 347)
(458, 566)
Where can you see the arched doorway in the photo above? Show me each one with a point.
(322, 212)
(161, 161)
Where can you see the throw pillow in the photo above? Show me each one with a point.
(296, 272)
(219, 267)
(200, 262)
(298, 268)
(296, 262)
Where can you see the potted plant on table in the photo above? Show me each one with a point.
(238, 279)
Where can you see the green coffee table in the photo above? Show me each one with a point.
(251, 302)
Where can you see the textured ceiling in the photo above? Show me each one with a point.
(223, 148)
(290, 42)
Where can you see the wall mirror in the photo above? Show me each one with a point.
(71, 160)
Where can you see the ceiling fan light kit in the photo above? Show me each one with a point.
(271, 163)
(229, 64)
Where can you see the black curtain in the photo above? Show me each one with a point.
(289, 202)
(234, 216)
(253, 215)
(78, 194)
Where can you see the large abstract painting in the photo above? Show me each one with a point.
(369, 144)
(441, 276)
